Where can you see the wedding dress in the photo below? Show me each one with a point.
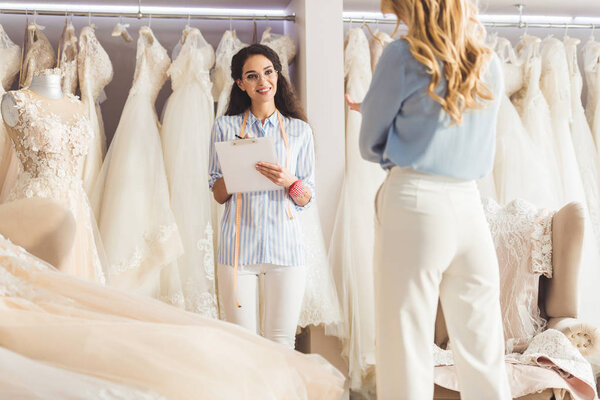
(51, 137)
(283, 45)
(10, 54)
(95, 71)
(583, 141)
(68, 60)
(591, 66)
(518, 171)
(228, 46)
(189, 281)
(351, 249)
(377, 43)
(131, 194)
(40, 55)
(535, 116)
(117, 336)
(556, 89)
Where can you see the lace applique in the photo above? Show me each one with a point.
(160, 235)
(152, 63)
(522, 236)
(194, 61)
(68, 61)
(94, 66)
(283, 45)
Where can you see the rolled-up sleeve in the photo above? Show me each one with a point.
(214, 167)
(305, 167)
(382, 102)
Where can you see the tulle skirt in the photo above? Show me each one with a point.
(97, 148)
(131, 202)
(140, 342)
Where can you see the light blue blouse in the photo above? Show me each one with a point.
(402, 125)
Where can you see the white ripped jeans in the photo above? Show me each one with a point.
(280, 291)
(432, 240)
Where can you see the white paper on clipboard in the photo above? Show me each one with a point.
(238, 160)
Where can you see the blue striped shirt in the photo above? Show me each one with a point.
(267, 234)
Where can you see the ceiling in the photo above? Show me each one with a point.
(581, 8)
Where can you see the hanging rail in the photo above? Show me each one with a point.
(490, 24)
(145, 14)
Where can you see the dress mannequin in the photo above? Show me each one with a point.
(47, 85)
(42, 227)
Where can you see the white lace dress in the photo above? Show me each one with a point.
(351, 248)
(535, 116)
(51, 138)
(228, 46)
(68, 60)
(131, 194)
(519, 171)
(591, 66)
(143, 343)
(10, 54)
(95, 71)
(190, 281)
(283, 45)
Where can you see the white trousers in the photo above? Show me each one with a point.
(432, 241)
(281, 297)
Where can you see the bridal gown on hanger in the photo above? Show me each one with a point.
(50, 138)
(535, 116)
(189, 281)
(228, 46)
(131, 194)
(68, 60)
(95, 71)
(591, 66)
(518, 172)
(583, 141)
(554, 83)
(283, 45)
(377, 43)
(320, 305)
(143, 343)
(10, 60)
(40, 55)
(351, 248)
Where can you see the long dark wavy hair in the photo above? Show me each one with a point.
(286, 100)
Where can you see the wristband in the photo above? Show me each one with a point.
(296, 189)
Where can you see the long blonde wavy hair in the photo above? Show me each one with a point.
(447, 31)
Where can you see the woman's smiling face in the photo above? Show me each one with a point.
(259, 79)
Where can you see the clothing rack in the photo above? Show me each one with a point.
(490, 24)
(147, 13)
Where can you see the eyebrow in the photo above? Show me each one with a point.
(270, 66)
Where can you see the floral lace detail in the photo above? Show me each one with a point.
(160, 235)
(152, 63)
(68, 61)
(95, 69)
(522, 236)
(194, 61)
(205, 245)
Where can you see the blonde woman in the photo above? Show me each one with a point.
(429, 119)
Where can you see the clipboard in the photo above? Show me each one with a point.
(238, 160)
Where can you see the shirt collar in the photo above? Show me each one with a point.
(271, 120)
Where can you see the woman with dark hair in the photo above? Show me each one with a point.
(260, 236)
